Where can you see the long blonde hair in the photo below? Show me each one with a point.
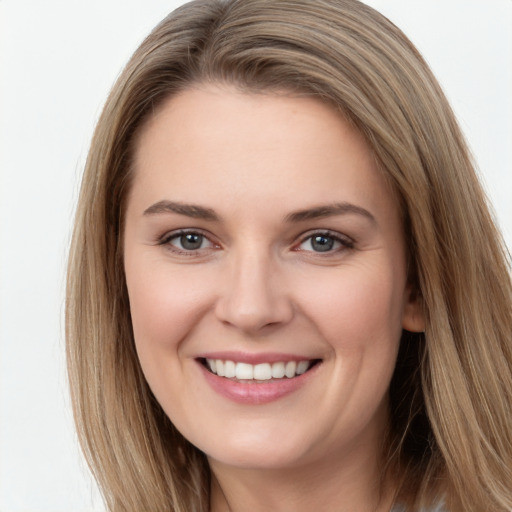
(451, 395)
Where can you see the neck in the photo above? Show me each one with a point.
(331, 485)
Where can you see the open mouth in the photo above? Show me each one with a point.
(263, 372)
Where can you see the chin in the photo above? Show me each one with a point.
(273, 451)
(252, 458)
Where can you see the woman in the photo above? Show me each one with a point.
(285, 289)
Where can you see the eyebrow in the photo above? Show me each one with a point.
(190, 210)
(320, 212)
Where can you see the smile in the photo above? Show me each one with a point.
(259, 383)
(261, 372)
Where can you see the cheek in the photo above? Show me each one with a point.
(357, 307)
(358, 313)
(165, 306)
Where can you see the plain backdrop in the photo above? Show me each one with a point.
(59, 59)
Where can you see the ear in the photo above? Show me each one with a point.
(413, 317)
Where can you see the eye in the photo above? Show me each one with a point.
(189, 241)
(186, 241)
(325, 242)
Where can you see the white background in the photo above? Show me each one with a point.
(58, 61)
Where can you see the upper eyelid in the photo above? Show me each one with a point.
(169, 235)
(326, 232)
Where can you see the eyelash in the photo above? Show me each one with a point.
(169, 237)
(345, 243)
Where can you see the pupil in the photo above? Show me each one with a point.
(191, 241)
(322, 243)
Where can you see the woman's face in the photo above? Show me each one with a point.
(262, 241)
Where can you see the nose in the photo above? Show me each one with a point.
(254, 296)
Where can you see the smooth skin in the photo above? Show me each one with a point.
(260, 223)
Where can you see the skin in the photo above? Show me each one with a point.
(257, 284)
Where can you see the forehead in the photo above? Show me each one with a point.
(210, 142)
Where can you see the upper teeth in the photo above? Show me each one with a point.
(263, 371)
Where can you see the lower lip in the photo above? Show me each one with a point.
(255, 393)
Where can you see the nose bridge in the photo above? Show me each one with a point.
(253, 294)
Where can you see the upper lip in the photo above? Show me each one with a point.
(255, 358)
